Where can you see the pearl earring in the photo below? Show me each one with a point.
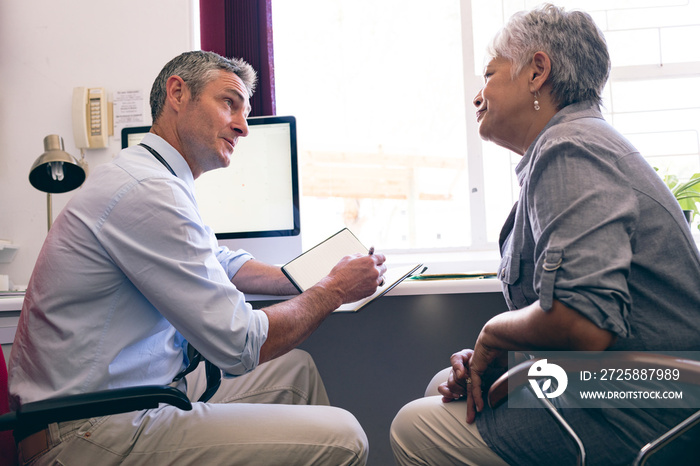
(537, 103)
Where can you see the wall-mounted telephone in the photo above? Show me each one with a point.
(90, 117)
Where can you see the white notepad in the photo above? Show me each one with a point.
(311, 266)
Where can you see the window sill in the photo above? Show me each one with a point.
(446, 286)
(437, 263)
(449, 261)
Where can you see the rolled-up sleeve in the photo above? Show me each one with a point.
(232, 261)
(582, 210)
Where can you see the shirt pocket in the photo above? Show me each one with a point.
(509, 274)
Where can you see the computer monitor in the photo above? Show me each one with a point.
(254, 203)
(132, 136)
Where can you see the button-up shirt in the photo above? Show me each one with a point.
(127, 275)
(596, 229)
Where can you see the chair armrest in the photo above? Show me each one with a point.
(509, 381)
(34, 416)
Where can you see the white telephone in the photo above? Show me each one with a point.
(90, 117)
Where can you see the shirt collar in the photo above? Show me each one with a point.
(176, 161)
(575, 111)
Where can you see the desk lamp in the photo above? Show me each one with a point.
(55, 171)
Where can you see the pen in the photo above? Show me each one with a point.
(369, 253)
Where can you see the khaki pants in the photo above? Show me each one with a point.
(432, 433)
(276, 415)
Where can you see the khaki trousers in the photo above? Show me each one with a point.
(432, 433)
(276, 415)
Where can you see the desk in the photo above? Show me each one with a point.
(375, 361)
(9, 316)
(10, 306)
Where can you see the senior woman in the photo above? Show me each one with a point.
(596, 255)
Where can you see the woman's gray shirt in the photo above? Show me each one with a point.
(596, 229)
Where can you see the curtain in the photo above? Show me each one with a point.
(243, 29)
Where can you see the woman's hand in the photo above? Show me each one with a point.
(456, 386)
(483, 359)
(465, 379)
(527, 329)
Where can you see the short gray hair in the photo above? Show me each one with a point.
(197, 68)
(575, 45)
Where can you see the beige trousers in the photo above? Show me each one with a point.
(432, 433)
(276, 415)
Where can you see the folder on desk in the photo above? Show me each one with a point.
(310, 267)
(454, 276)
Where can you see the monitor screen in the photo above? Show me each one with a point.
(253, 204)
(133, 136)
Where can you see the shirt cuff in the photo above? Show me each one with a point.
(232, 261)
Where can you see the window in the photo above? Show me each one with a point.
(378, 92)
(388, 142)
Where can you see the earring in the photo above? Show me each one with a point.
(537, 102)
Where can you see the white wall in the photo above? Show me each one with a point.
(48, 47)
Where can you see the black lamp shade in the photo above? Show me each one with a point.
(40, 175)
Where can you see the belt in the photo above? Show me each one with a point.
(33, 445)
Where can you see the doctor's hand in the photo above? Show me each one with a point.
(357, 276)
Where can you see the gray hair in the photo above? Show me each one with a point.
(197, 68)
(575, 45)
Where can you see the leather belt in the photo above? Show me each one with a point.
(34, 445)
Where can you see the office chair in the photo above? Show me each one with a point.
(35, 416)
(518, 376)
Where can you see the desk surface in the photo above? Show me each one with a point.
(11, 303)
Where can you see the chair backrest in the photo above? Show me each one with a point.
(8, 453)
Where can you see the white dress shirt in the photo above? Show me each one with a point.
(127, 275)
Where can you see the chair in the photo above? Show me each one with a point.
(519, 375)
(33, 417)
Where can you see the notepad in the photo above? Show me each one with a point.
(310, 267)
